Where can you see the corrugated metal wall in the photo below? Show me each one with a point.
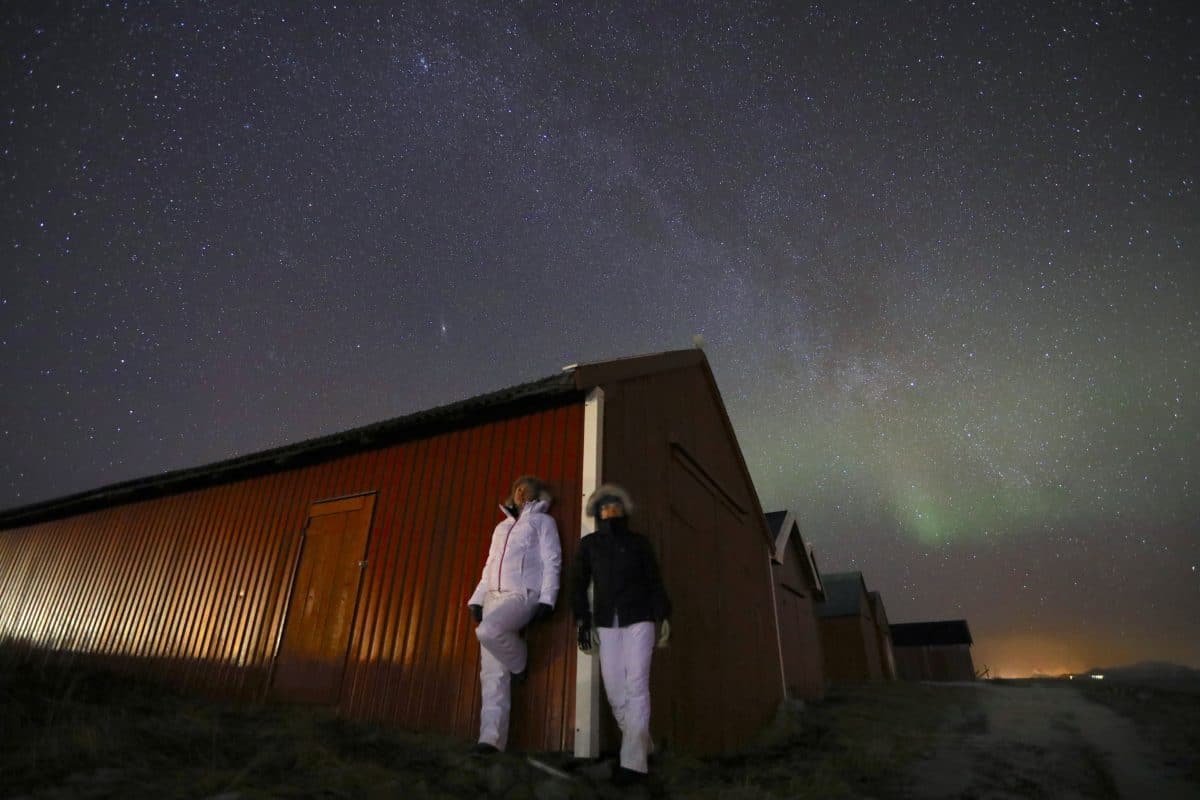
(192, 588)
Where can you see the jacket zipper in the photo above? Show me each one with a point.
(500, 569)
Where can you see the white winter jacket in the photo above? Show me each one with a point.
(525, 554)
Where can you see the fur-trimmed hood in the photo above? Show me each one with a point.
(608, 490)
(543, 494)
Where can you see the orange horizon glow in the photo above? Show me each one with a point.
(1029, 655)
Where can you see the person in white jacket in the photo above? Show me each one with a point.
(519, 585)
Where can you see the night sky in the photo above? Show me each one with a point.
(943, 256)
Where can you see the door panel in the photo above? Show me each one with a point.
(316, 636)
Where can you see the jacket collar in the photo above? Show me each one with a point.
(532, 507)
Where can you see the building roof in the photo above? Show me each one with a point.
(775, 521)
(570, 384)
(926, 634)
(845, 595)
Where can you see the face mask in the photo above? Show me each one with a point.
(614, 525)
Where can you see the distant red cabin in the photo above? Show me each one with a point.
(797, 593)
(335, 571)
(933, 651)
(849, 634)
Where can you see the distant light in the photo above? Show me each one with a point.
(1097, 677)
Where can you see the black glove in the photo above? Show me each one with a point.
(476, 612)
(543, 611)
(585, 638)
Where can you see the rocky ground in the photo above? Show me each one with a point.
(86, 734)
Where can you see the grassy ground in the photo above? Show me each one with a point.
(81, 733)
(857, 742)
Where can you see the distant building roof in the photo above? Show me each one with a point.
(844, 594)
(926, 634)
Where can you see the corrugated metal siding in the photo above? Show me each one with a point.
(192, 588)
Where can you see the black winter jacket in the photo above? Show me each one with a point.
(624, 569)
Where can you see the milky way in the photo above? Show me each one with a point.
(943, 257)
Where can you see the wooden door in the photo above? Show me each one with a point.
(316, 633)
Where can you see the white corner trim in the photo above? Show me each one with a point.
(587, 668)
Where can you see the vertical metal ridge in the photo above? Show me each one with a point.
(159, 645)
(428, 598)
(16, 560)
(398, 618)
(223, 605)
(416, 656)
(195, 624)
(44, 568)
(372, 472)
(366, 622)
(466, 573)
(139, 585)
(362, 475)
(74, 627)
(246, 546)
(269, 510)
(101, 593)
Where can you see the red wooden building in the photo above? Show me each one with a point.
(335, 571)
(849, 634)
(797, 593)
(933, 651)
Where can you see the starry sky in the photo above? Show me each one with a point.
(943, 256)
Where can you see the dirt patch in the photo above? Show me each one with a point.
(1046, 741)
(1167, 718)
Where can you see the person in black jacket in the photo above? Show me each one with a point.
(628, 599)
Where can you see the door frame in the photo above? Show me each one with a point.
(291, 585)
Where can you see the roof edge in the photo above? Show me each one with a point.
(932, 633)
(597, 373)
(544, 392)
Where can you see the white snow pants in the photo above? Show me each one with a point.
(501, 653)
(625, 667)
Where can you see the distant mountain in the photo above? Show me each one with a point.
(1148, 672)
